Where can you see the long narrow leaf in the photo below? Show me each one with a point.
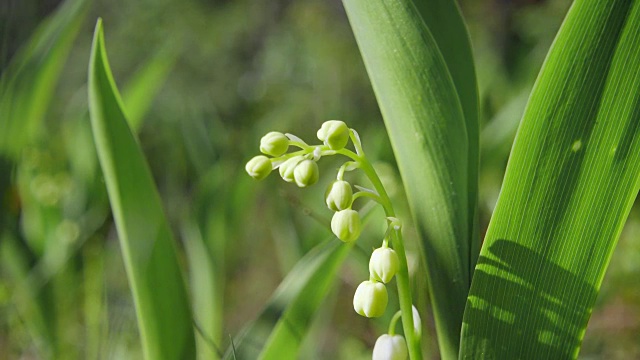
(148, 246)
(27, 85)
(146, 83)
(427, 128)
(445, 22)
(279, 330)
(573, 175)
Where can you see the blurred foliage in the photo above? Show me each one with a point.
(226, 72)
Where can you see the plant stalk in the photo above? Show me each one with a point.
(402, 277)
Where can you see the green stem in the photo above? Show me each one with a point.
(402, 277)
(360, 194)
(392, 323)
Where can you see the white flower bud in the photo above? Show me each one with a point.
(274, 144)
(370, 299)
(306, 173)
(287, 168)
(384, 264)
(338, 195)
(390, 347)
(334, 134)
(345, 224)
(417, 323)
(259, 167)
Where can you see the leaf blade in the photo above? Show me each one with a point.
(445, 22)
(572, 177)
(278, 331)
(159, 291)
(427, 129)
(27, 85)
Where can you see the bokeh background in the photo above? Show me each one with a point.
(209, 78)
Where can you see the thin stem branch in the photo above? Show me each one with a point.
(392, 323)
(360, 194)
(402, 277)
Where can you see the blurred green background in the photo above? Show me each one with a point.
(202, 81)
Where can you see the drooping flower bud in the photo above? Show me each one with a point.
(417, 323)
(287, 168)
(274, 144)
(345, 224)
(384, 264)
(306, 173)
(390, 347)
(338, 195)
(259, 167)
(334, 134)
(370, 299)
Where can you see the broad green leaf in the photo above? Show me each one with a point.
(572, 178)
(279, 330)
(27, 85)
(428, 132)
(447, 26)
(149, 250)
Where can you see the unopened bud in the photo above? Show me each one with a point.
(334, 134)
(417, 323)
(370, 299)
(338, 195)
(274, 144)
(259, 167)
(384, 264)
(306, 173)
(390, 347)
(287, 168)
(345, 224)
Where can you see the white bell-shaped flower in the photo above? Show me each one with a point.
(345, 224)
(370, 299)
(390, 347)
(339, 195)
(384, 264)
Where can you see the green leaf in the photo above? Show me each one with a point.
(572, 178)
(279, 330)
(27, 85)
(149, 250)
(447, 26)
(145, 85)
(428, 131)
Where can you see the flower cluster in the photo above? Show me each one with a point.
(300, 167)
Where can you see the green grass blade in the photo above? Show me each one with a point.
(427, 129)
(444, 20)
(148, 246)
(27, 85)
(572, 178)
(143, 88)
(279, 330)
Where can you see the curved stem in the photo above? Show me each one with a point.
(288, 156)
(392, 323)
(360, 194)
(402, 277)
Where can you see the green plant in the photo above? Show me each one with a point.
(528, 293)
(370, 297)
(567, 190)
(420, 97)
